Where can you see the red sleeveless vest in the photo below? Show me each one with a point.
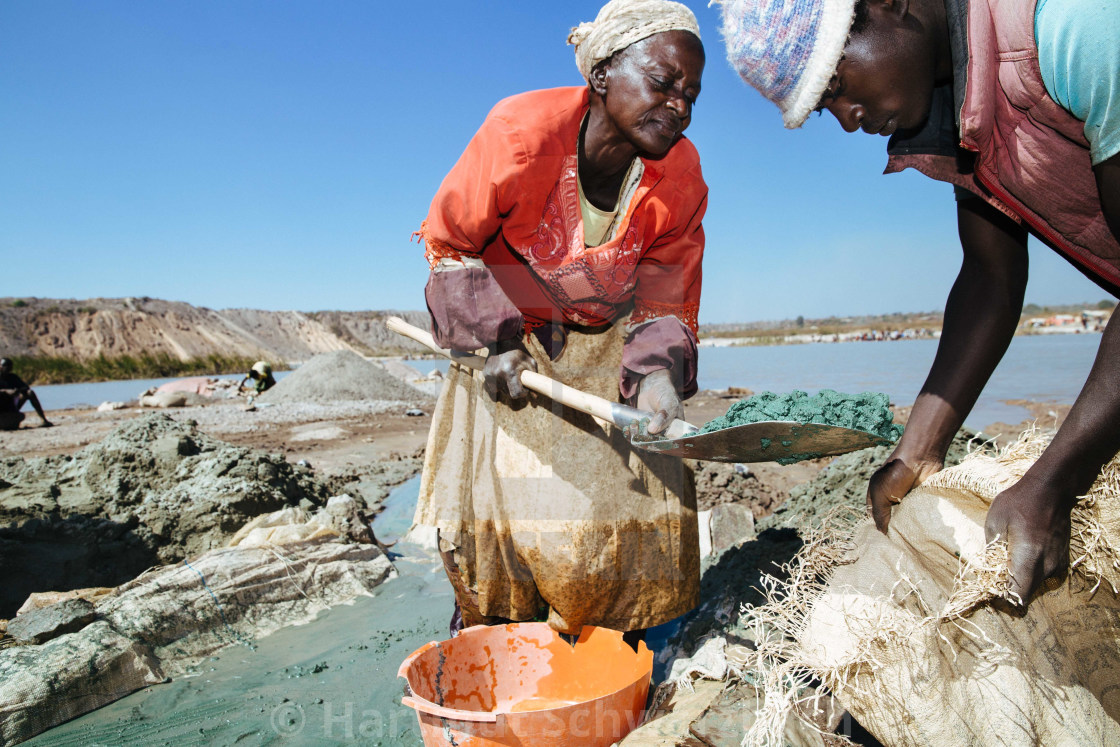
(1031, 154)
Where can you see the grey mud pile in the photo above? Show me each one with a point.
(430, 383)
(341, 376)
(154, 491)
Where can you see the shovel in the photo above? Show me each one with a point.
(770, 441)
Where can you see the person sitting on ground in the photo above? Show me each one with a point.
(568, 240)
(261, 373)
(1016, 103)
(14, 393)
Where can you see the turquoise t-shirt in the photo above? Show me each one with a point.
(1079, 54)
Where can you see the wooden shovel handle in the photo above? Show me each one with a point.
(612, 412)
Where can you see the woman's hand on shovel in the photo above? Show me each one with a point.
(658, 395)
(507, 359)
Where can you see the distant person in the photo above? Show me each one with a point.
(261, 375)
(1017, 104)
(14, 392)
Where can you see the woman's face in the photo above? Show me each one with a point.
(649, 88)
(885, 80)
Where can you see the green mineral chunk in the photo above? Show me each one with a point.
(868, 411)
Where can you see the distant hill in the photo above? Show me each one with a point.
(113, 327)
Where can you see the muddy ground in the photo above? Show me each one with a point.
(193, 461)
(300, 684)
(353, 442)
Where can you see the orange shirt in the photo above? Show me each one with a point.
(513, 201)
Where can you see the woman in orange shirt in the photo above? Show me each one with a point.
(568, 239)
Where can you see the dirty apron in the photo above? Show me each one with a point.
(547, 511)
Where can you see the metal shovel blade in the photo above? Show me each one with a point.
(769, 441)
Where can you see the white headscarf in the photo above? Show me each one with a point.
(621, 23)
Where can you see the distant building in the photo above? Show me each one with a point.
(1089, 320)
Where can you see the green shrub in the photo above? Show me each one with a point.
(60, 370)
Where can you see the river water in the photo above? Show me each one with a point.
(1042, 368)
(91, 394)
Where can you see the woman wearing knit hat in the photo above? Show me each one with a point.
(1016, 103)
(568, 239)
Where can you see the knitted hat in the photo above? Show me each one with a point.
(621, 23)
(787, 49)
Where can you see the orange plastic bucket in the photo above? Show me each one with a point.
(522, 684)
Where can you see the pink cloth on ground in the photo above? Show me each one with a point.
(203, 385)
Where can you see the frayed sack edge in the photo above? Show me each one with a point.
(787, 676)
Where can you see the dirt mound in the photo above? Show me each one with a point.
(844, 483)
(400, 370)
(719, 483)
(430, 383)
(341, 376)
(153, 491)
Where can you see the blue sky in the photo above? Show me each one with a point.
(278, 155)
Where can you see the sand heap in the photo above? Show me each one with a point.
(341, 376)
(400, 370)
(154, 491)
(430, 383)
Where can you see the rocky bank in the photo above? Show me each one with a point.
(85, 329)
(154, 491)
